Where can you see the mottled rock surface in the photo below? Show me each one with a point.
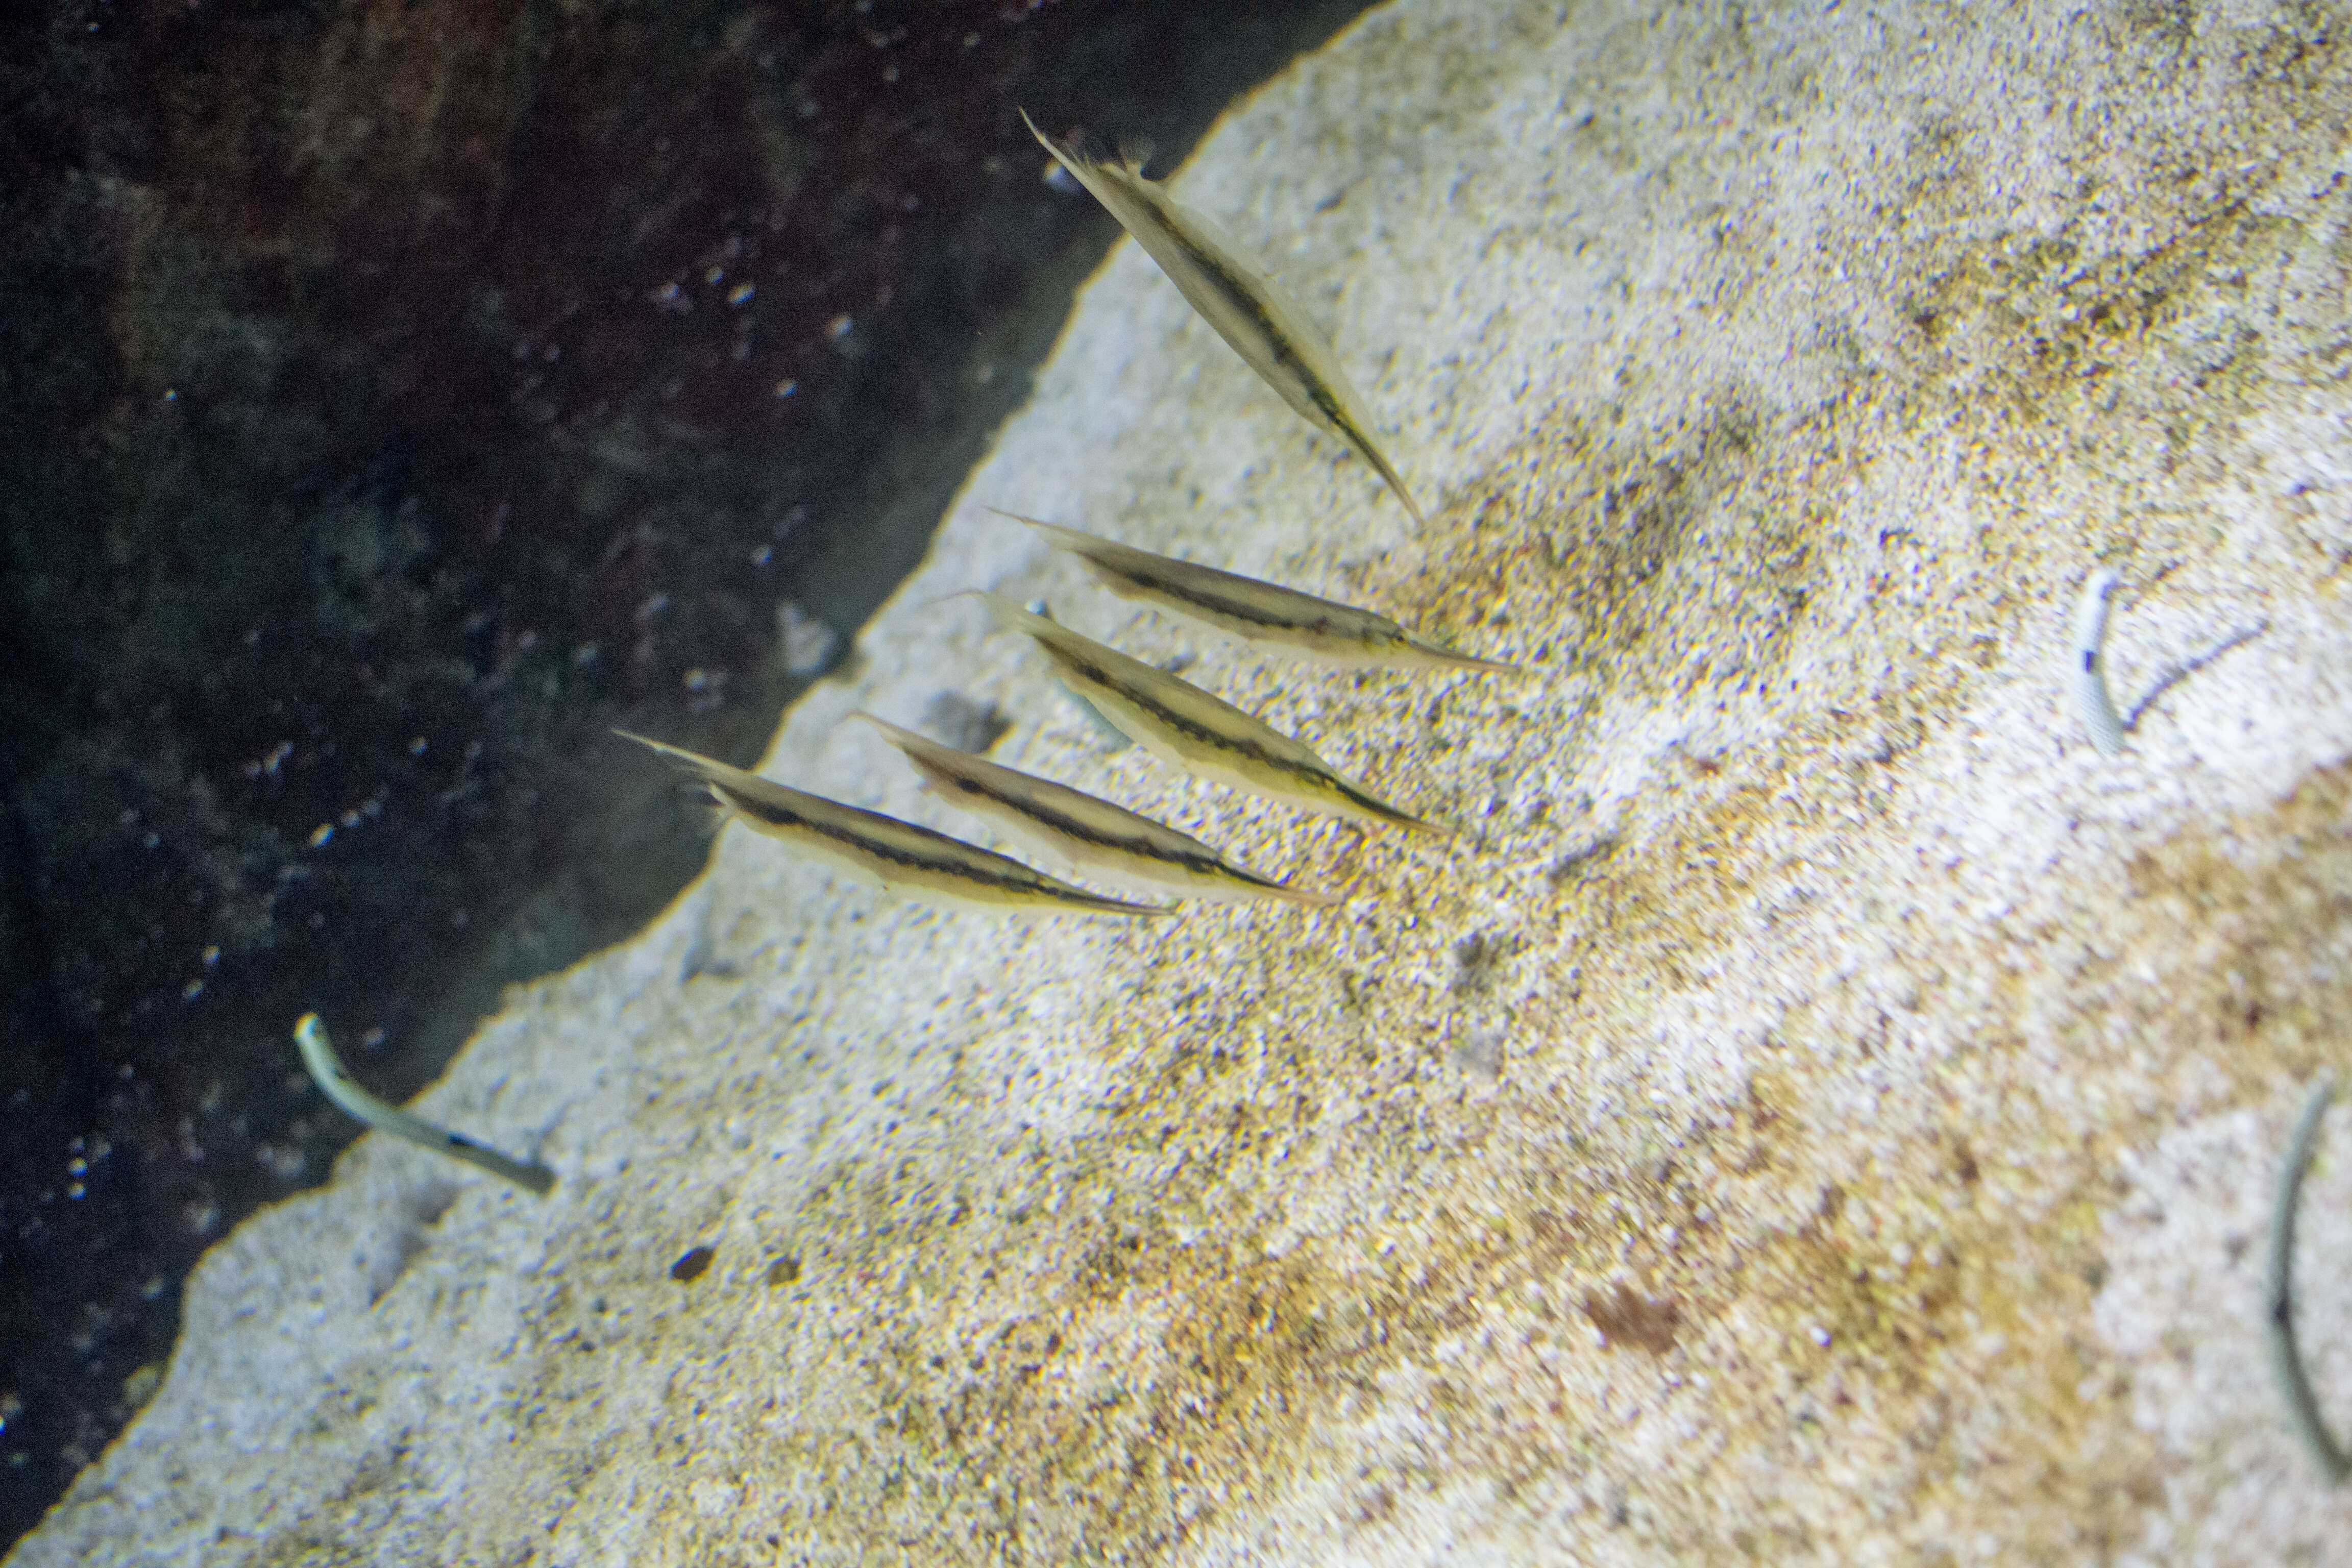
(1816, 1109)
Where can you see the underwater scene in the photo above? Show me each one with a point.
(1067, 782)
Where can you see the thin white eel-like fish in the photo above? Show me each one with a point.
(1090, 836)
(2090, 670)
(1234, 295)
(327, 1072)
(1183, 725)
(1277, 619)
(897, 856)
(2278, 1294)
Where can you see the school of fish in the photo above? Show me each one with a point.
(1169, 716)
(1172, 718)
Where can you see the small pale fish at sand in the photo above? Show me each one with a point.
(327, 1072)
(1183, 725)
(1234, 295)
(884, 852)
(2089, 668)
(1092, 836)
(1277, 619)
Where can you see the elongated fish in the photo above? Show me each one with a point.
(1280, 620)
(1234, 295)
(1181, 724)
(327, 1072)
(897, 856)
(1090, 836)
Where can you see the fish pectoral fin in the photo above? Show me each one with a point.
(1010, 614)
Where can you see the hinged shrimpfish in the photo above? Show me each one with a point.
(1266, 615)
(1234, 295)
(1090, 836)
(1181, 724)
(884, 852)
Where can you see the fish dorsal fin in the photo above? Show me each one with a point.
(1135, 152)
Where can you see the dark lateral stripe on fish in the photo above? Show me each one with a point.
(1273, 620)
(1249, 747)
(1310, 770)
(335, 1081)
(1141, 846)
(1281, 618)
(1324, 396)
(777, 816)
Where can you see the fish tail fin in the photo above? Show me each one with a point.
(945, 599)
(644, 740)
(725, 806)
(1448, 659)
(1380, 811)
(1313, 899)
(917, 749)
(1395, 481)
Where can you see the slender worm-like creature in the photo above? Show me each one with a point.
(327, 1071)
(2287, 1361)
(2090, 666)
